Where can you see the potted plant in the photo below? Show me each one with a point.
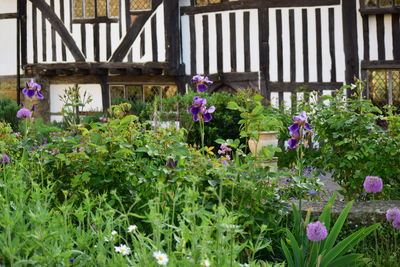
(259, 125)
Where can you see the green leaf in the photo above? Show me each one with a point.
(287, 254)
(232, 106)
(297, 252)
(346, 244)
(333, 235)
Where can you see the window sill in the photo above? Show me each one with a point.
(380, 10)
(96, 20)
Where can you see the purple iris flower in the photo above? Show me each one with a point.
(4, 158)
(300, 122)
(292, 143)
(33, 89)
(301, 119)
(172, 163)
(313, 192)
(199, 110)
(202, 83)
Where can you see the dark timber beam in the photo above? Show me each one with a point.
(132, 33)
(8, 16)
(244, 4)
(380, 64)
(299, 87)
(349, 14)
(172, 32)
(59, 27)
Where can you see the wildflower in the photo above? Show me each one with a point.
(202, 83)
(71, 260)
(206, 263)
(113, 233)
(393, 214)
(33, 89)
(313, 192)
(4, 158)
(316, 231)
(123, 249)
(200, 111)
(373, 184)
(287, 180)
(24, 113)
(103, 119)
(161, 258)
(132, 228)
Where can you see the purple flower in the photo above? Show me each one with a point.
(316, 231)
(373, 184)
(33, 89)
(301, 119)
(313, 192)
(200, 111)
(396, 223)
(202, 83)
(393, 214)
(171, 163)
(24, 113)
(4, 158)
(287, 180)
(71, 260)
(292, 143)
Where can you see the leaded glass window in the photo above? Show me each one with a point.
(138, 5)
(207, 2)
(380, 3)
(384, 87)
(89, 9)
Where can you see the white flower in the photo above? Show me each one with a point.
(106, 239)
(206, 263)
(132, 228)
(114, 233)
(161, 258)
(123, 249)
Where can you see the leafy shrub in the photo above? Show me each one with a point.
(353, 146)
(8, 112)
(224, 124)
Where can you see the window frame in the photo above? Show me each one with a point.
(96, 18)
(394, 9)
(367, 73)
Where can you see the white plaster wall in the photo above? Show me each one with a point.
(8, 46)
(8, 6)
(56, 90)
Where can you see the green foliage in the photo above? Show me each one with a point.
(327, 252)
(353, 146)
(73, 104)
(8, 112)
(223, 118)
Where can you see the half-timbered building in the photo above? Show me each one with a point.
(139, 48)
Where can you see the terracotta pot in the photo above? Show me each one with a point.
(264, 139)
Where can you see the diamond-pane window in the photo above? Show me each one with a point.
(78, 8)
(86, 9)
(89, 9)
(207, 2)
(114, 8)
(384, 87)
(379, 3)
(138, 5)
(101, 8)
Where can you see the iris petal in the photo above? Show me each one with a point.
(194, 110)
(211, 109)
(207, 117)
(202, 87)
(292, 143)
(30, 93)
(39, 95)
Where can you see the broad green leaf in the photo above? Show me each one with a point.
(287, 254)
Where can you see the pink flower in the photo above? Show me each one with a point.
(373, 184)
(316, 231)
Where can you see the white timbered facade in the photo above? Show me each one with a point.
(128, 48)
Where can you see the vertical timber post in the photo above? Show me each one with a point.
(263, 26)
(349, 13)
